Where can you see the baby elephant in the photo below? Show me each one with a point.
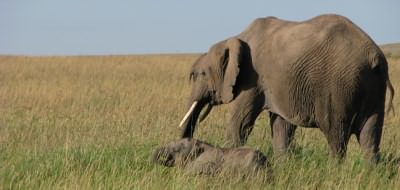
(198, 157)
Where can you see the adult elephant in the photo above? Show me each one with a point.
(322, 73)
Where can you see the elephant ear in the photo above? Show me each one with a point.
(233, 56)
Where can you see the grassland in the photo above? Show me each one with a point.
(392, 50)
(92, 122)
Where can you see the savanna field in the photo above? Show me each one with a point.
(92, 123)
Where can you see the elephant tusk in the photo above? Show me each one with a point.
(205, 114)
(188, 113)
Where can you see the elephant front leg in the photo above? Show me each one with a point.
(244, 111)
(282, 134)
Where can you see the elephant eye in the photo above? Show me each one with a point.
(193, 76)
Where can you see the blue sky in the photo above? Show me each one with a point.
(95, 27)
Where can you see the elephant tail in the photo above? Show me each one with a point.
(380, 63)
(391, 95)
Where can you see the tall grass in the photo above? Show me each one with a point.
(92, 122)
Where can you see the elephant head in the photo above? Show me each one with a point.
(179, 153)
(214, 77)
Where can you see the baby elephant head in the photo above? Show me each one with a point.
(177, 153)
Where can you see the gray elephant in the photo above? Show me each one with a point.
(321, 73)
(199, 157)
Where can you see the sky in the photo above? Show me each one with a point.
(110, 27)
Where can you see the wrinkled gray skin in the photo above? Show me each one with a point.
(198, 157)
(322, 73)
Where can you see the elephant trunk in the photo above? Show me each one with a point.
(205, 113)
(189, 121)
(162, 156)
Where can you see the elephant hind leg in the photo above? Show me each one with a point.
(369, 136)
(282, 134)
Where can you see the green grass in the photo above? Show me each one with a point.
(92, 122)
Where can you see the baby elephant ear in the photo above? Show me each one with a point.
(236, 53)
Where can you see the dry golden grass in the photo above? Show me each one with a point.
(92, 122)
